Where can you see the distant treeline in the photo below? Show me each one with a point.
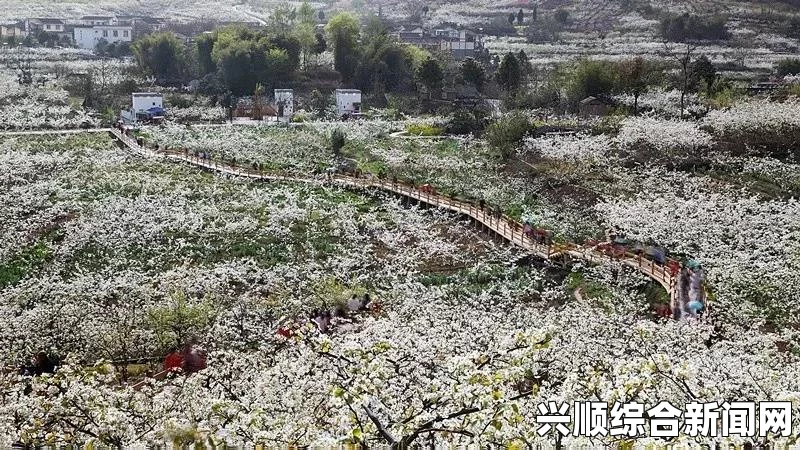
(688, 27)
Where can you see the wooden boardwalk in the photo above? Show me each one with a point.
(503, 226)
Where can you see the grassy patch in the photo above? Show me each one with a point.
(589, 289)
(26, 261)
(424, 129)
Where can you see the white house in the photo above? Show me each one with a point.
(348, 101)
(284, 103)
(141, 102)
(88, 37)
(45, 24)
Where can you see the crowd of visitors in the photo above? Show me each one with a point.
(538, 235)
(690, 288)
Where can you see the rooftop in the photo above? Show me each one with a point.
(47, 20)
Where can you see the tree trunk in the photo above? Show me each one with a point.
(683, 96)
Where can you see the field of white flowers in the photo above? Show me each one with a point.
(34, 107)
(102, 251)
(223, 10)
(110, 260)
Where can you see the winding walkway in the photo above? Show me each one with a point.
(503, 226)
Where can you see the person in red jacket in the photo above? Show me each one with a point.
(174, 361)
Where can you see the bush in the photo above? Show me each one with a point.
(590, 78)
(499, 26)
(337, 141)
(790, 66)
(423, 129)
(506, 133)
(466, 121)
(300, 117)
(561, 16)
(179, 101)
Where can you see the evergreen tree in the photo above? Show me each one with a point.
(472, 72)
(430, 75)
(509, 74)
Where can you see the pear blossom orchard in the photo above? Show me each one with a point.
(406, 225)
(112, 258)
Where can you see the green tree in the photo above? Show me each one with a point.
(205, 48)
(343, 31)
(705, 72)
(430, 75)
(235, 67)
(472, 73)
(180, 320)
(511, 18)
(385, 66)
(319, 102)
(636, 75)
(561, 16)
(304, 34)
(305, 14)
(244, 57)
(418, 56)
(509, 74)
(337, 141)
(162, 55)
(547, 30)
(507, 133)
(686, 27)
(525, 65)
(520, 17)
(590, 78)
(281, 20)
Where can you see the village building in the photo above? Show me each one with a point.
(56, 26)
(89, 37)
(462, 46)
(348, 102)
(284, 104)
(145, 106)
(461, 94)
(142, 24)
(593, 107)
(91, 21)
(13, 30)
